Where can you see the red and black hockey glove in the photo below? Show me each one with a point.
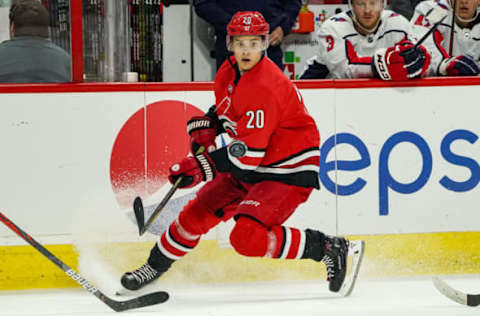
(461, 65)
(192, 170)
(400, 62)
(202, 131)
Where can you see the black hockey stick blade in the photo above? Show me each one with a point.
(138, 205)
(139, 214)
(456, 295)
(473, 299)
(141, 301)
(118, 306)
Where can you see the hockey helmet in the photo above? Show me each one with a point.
(247, 23)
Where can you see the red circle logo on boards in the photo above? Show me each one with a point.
(151, 140)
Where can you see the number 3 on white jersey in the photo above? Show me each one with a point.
(255, 119)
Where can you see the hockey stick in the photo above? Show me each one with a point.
(452, 30)
(140, 212)
(118, 306)
(456, 295)
(436, 16)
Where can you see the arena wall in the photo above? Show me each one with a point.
(399, 168)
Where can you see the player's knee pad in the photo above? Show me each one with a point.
(196, 218)
(249, 237)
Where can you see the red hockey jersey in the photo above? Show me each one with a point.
(263, 111)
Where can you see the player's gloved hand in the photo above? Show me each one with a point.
(400, 62)
(192, 170)
(202, 131)
(462, 65)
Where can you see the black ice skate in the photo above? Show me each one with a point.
(140, 277)
(335, 258)
(342, 255)
(156, 265)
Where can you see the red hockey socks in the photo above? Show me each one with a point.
(253, 239)
(289, 242)
(185, 232)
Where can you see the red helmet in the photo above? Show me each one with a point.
(247, 23)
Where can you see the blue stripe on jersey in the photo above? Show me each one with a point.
(390, 31)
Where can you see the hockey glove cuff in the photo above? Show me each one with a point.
(461, 65)
(202, 131)
(400, 62)
(192, 171)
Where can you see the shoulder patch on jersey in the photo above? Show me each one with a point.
(338, 19)
(393, 14)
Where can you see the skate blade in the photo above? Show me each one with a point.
(355, 251)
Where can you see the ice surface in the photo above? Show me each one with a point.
(394, 297)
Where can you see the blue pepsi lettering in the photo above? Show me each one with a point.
(385, 179)
(325, 167)
(454, 159)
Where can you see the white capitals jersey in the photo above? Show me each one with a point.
(347, 53)
(466, 41)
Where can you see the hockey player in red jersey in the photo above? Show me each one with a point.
(269, 168)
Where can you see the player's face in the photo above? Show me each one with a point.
(466, 8)
(247, 51)
(367, 12)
